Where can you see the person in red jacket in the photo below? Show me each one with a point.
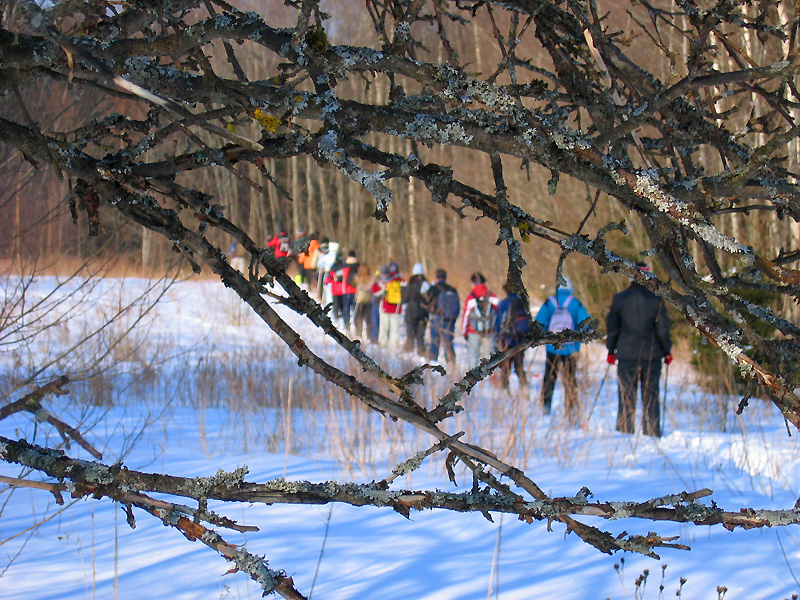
(477, 324)
(346, 274)
(333, 279)
(281, 245)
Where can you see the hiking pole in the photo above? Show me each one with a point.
(666, 383)
(599, 391)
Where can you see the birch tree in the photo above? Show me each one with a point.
(565, 91)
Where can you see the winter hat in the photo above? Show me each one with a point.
(384, 272)
(394, 269)
(418, 269)
(480, 290)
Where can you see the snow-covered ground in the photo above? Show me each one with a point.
(188, 416)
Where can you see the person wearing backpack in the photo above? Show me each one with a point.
(281, 245)
(414, 299)
(477, 323)
(347, 274)
(559, 312)
(391, 308)
(513, 322)
(638, 337)
(444, 306)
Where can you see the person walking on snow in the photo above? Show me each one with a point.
(335, 283)
(444, 306)
(391, 308)
(560, 312)
(638, 341)
(281, 245)
(477, 323)
(348, 274)
(512, 324)
(362, 314)
(378, 289)
(415, 298)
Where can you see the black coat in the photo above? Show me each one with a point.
(638, 326)
(414, 301)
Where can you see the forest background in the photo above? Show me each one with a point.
(298, 193)
(665, 133)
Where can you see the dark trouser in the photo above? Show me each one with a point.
(415, 335)
(632, 374)
(338, 306)
(348, 302)
(518, 361)
(572, 406)
(376, 320)
(442, 331)
(363, 318)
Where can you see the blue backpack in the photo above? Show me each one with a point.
(447, 304)
(518, 319)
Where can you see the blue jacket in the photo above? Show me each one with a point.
(575, 308)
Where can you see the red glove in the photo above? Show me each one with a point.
(668, 359)
(611, 358)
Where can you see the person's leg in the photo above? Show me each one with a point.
(360, 318)
(549, 382)
(627, 374)
(487, 346)
(338, 306)
(474, 347)
(374, 332)
(572, 403)
(383, 329)
(395, 324)
(447, 333)
(519, 368)
(435, 327)
(408, 346)
(503, 374)
(651, 409)
(419, 339)
(347, 307)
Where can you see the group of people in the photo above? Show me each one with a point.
(381, 306)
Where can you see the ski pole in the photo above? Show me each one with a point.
(599, 391)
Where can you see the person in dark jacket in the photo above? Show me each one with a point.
(443, 306)
(638, 340)
(415, 299)
(512, 323)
